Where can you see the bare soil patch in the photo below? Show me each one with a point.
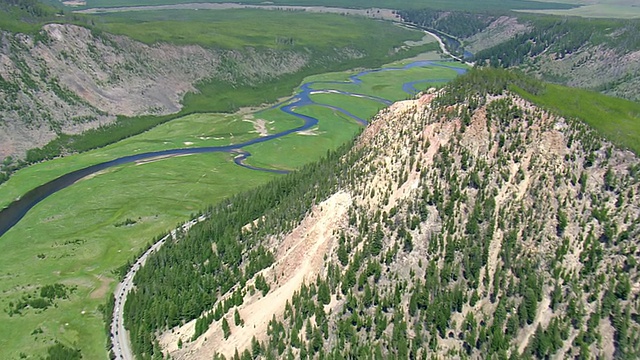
(300, 258)
(259, 125)
(101, 291)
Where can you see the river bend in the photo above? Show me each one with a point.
(13, 213)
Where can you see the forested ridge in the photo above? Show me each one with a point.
(481, 227)
(452, 26)
(460, 24)
(562, 37)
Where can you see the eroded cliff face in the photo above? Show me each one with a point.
(485, 228)
(67, 79)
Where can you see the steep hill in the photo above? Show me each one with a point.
(466, 223)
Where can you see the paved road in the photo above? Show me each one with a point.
(119, 335)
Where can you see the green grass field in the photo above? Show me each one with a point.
(390, 4)
(157, 195)
(616, 119)
(260, 28)
(295, 150)
(194, 130)
(363, 108)
(77, 236)
(384, 84)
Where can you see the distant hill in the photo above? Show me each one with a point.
(468, 223)
(595, 54)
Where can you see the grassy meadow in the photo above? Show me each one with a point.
(195, 130)
(82, 234)
(361, 107)
(384, 83)
(297, 149)
(76, 237)
(390, 4)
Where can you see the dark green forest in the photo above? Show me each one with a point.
(451, 26)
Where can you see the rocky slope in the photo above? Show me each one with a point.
(68, 79)
(476, 228)
(602, 55)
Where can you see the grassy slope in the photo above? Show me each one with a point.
(392, 4)
(260, 28)
(157, 195)
(616, 119)
(24, 16)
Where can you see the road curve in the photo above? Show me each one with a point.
(119, 335)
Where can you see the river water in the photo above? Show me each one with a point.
(12, 214)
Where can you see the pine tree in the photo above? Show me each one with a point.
(237, 319)
(225, 328)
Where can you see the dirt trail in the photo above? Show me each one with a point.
(300, 259)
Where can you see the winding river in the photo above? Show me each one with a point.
(12, 214)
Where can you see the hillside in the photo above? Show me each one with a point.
(465, 223)
(48, 89)
(596, 54)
